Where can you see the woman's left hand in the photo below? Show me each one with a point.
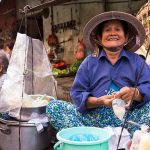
(126, 94)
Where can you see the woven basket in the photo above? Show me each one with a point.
(144, 16)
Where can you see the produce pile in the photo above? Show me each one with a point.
(68, 71)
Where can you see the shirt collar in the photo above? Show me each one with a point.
(123, 54)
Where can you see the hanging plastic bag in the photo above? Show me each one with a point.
(29, 72)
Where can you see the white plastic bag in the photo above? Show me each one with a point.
(118, 108)
(113, 141)
(29, 72)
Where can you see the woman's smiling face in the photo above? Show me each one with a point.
(113, 36)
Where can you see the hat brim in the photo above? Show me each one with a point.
(136, 30)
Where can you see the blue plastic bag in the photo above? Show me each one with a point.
(84, 137)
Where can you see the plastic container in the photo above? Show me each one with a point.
(65, 143)
(141, 139)
(145, 142)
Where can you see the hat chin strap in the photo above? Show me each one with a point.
(119, 48)
(129, 41)
(97, 42)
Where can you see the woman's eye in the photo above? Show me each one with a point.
(107, 30)
(112, 30)
(118, 29)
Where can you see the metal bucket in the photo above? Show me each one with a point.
(28, 113)
(16, 135)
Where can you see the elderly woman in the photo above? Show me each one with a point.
(112, 71)
(3, 67)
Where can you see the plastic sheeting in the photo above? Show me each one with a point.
(29, 72)
(143, 51)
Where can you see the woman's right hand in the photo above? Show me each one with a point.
(105, 100)
(93, 102)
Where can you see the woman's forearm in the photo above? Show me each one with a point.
(93, 102)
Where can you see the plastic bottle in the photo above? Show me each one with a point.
(145, 141)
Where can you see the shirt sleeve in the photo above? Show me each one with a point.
(143, 82)
(80, 88)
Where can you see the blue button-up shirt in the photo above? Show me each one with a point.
(96, 74)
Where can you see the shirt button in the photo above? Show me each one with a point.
(105, 91)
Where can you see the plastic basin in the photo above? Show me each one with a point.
(66, 143)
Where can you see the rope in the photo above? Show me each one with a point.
(130, 106)
(23, 82)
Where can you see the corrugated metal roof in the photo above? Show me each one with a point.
(47, 4)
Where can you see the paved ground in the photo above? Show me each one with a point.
(51, 147)
(63, 90)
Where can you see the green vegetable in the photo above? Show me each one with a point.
(68, 71)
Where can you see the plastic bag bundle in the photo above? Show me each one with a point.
(29, 72)
(84, 137)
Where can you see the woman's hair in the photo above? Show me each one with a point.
(10, 45)
(4, 61)
(100, 27)
(1, 43)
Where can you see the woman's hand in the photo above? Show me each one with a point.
(126, 94)
(105, 100)
(93, 102)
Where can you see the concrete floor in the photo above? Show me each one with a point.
(63, 88)
(51, 147)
